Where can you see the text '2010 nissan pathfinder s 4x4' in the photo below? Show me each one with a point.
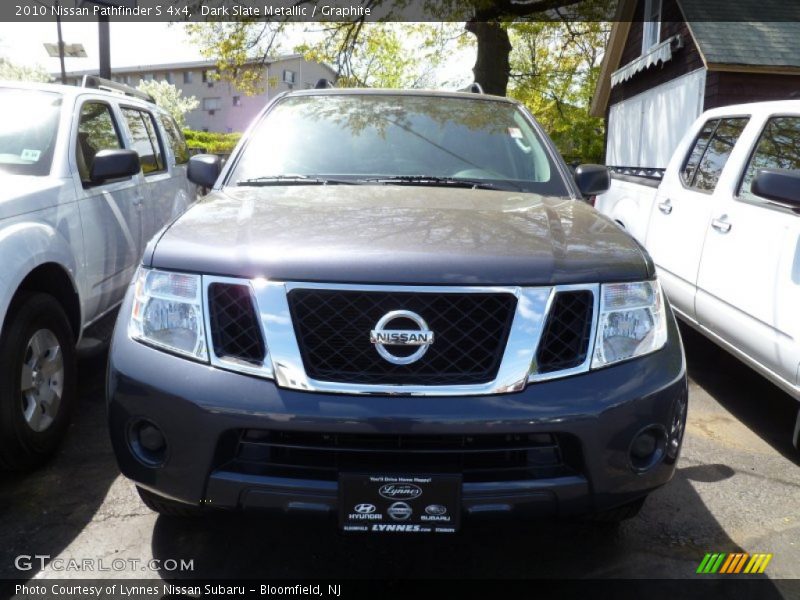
(396, 308)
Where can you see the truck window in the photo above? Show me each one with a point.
(712, 148)
(144, 140)
(176, 140)
(28, 130)
(777, 148)
(96, 131)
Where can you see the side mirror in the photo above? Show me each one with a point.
(778, 185)
(592, 179)
(113, 164)
(204, 169)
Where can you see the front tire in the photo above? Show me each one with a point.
(37, 380)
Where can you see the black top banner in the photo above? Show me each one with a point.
(389, 10)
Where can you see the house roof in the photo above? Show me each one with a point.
(727, 38)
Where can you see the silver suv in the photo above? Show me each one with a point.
(87, 176)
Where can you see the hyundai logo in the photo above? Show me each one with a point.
(382, 336)
(400, 491)
(399, 511)
(365, 509)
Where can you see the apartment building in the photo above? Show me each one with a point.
(222, 107)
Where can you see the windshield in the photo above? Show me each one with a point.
(398, 138)
(28, 130)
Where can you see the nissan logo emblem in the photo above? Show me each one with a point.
(382, 337)
(399, 511)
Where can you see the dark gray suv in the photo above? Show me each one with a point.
(396, 308)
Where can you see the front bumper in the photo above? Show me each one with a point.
(197, 407)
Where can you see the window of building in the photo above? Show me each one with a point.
(777, 148)
(710, 152)
(212, 103)
(651, 25)
(176, 140)
(168, 77)
(289, 76)
(148, 77)
(237, 100)
(144, 139)
(188, 76)
(96, 131)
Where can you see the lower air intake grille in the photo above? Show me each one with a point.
(482, 457)
(235, 332)
(565, 340)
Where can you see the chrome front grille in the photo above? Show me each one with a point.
(316, 337)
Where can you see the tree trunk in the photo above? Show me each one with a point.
(492, 67)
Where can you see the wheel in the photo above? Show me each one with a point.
(167, 507)
(619, 513)
(37, 380)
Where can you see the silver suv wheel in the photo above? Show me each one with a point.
(42, 380)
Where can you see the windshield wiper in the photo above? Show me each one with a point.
(434, 180)
(295, 180)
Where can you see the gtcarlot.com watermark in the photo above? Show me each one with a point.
(35, 562)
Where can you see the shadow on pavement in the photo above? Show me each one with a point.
(44, 511)
(761, 406)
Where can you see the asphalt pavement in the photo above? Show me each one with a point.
(737, 489)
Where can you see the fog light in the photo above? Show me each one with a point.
(648, 448)
(147, 443)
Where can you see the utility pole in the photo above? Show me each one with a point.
(60, 45)
(104, 47)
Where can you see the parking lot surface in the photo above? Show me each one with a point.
(737, 489)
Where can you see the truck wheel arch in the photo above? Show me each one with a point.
(51, 278)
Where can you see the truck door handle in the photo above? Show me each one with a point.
(721, 224)
(665, 206)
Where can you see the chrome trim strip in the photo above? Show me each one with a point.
(284, 363)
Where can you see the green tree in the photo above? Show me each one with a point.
(13, 72)
(554, 70)
(170, 98)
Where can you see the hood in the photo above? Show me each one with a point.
(398, 234)
(21, 194)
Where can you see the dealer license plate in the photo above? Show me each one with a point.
(399, 503)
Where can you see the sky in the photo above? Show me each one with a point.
(134, 44)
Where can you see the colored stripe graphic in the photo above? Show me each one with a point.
(736, 562)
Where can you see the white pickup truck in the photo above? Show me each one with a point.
(723, 227)
(87, 177)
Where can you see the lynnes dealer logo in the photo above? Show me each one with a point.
(737, 562)
(400, 491)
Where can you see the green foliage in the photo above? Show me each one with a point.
(12, 72)
(554, 70)
(170, 98)
(213, 143)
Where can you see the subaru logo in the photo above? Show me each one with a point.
(383, 336)
(399, 511)
(365, 509)
(400, 491)
(435, 510)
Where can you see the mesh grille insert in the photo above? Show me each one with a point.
(333, 330)
(565, 340)
(235, 332)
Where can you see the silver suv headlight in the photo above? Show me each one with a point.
(632, 322)
(168, 312)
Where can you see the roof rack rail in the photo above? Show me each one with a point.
(322, 84)
(474, 88)
(93, 81)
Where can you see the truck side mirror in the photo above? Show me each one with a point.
(113, 164)
(778, 185)
(592, 179)
(204, 169)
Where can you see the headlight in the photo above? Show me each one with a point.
(168, 313)
(632, 322)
